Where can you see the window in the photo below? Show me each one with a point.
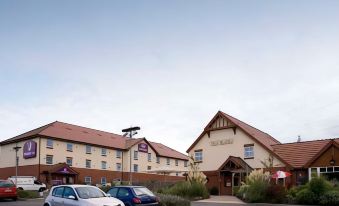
(68, 192)
(176, 162)
(49, 159)
(177, 174)
(123, 192)
(149, 167)
(314, 172)
(118, 154)
(88, 180)
(186, 163)
(57, 192)
(168, 161)
(103, 165)
(135, 167)
(103, 181)
(118, 166)
(88, 149)
(149, 157)
(249, 151)
(49, 143)
(113, 192)
(135, 155)
(198, 156)
(158, 160)
(103, 152)
(69, 147)
(88, 163)
(69, 161)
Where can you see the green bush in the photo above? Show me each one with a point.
(330, 198)
(305, 196)
(172, 200)
(319, 186)
(276, 194)
(194, 190)
(257, 191)
(26, 194)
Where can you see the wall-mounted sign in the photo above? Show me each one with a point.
(64, 170)
(142, 147)
(30, 149)
(221, 142)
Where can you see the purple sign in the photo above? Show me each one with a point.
(30, 149)
(142, 147)
(64, 170)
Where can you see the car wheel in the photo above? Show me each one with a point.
(46, 204)
(15, 199)
(20, 188)
(41, 189)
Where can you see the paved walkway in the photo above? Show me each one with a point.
(223, 199)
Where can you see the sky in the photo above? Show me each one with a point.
(169, 66)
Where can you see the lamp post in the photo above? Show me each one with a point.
(16, 148)
(130, 132)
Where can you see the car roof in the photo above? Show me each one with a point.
(128, 186)
(74, 186)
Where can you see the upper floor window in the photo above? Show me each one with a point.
(135, 168)
(49, 159)
(198, 155)
(88, 163)
(158, 160)
(248, 151)
(103, 165)
(136, 155)
(186, 163)
(69, 161)
(88, 149)
(149, 157)
(176, 162)
(118, 166)
(103, 152)
(168, 161)
(69, 147)
(118, 153)
(149, 167)
(49, 143)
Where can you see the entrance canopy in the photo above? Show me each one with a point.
(235, 165)
(62, 169)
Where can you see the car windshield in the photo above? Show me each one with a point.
(142, 191)
(6, 184)
(89, 192)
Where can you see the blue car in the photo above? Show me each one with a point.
(134, 195)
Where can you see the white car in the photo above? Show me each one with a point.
(79, 195)
(28, 183)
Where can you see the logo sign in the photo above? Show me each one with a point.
(64, 170)
(142, 147)
(30, 149)
(221, 142)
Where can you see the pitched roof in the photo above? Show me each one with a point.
(70, 132)
(298, 154)
(263, 138)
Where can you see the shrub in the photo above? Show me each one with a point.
(194, 190)
(319, 186)
(172, 200)
(214, 191)
(276, 194)
(26, 194)
(257, 183)
(330, 198)
(305, 196)
(242, 191)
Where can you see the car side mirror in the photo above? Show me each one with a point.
(108, 195)
(71, 197)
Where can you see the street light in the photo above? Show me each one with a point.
(16, 148)
(130, 132)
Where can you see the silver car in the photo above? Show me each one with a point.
(79, 195)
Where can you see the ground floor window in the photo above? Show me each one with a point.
(103, 181)
(330, 173)
(88, 180)
(135, 167)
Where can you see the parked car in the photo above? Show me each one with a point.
(28, 183)
(79, 195)
(134, 195)
(8, 190)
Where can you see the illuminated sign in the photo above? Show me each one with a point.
(142, 147)
(30, 149)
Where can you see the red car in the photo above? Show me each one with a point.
(8, 190)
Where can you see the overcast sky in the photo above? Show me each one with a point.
(169, 66)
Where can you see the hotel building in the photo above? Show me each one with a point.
(64, 153)
(228, 149)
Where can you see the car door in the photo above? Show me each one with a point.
(57, 199)
(67, 201)
(125, 195)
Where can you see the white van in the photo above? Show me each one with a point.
(28, 183)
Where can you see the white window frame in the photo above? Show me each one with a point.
(103, 152)
(118, 153)
(135, 155)
(149, 157)
(49, 143)
(69, 145)
(103, 165)
(198, 156)
(118, 166)
(185, 163)
(176, 162)
(69, 158)
(88, 180)
(158, 160)
(149, 167)
(249, 152)
(135, 167)
(88, 165)
(168, 161)
(51, 159)
(88, 149)
(103, 182)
